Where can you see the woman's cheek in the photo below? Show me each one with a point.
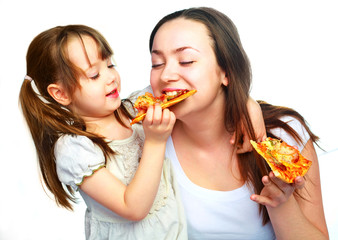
(154, 85)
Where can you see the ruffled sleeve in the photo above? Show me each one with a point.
(134, 95)
(76, 157)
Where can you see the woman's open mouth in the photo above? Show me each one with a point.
(171, 93)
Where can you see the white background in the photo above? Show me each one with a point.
(292, 45)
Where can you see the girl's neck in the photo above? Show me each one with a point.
(109, 127)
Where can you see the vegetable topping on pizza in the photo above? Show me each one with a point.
(285, 161)
(166, 100)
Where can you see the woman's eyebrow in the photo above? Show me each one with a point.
(181, 49)
(157, 52)
(177, 50)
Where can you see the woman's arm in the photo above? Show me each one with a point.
(295, 217)
(134, 201)
(256, 117)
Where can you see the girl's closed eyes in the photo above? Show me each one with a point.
(97, 75)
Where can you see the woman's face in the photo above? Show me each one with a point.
(183, 58)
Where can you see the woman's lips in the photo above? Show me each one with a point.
(174, 92)
(172, 89)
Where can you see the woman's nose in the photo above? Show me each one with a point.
(169, 72)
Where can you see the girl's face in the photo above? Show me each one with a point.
(183, 58)
(98, 95)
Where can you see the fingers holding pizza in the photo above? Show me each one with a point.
(275, 191)
(288, 168)
(158, 123)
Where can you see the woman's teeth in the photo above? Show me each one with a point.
(172, 93)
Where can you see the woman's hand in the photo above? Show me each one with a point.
(275, 191)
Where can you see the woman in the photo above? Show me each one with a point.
(227, 195)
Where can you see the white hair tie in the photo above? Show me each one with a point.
(35, 89)
(28, 78)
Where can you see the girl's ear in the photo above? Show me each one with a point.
(57, 92)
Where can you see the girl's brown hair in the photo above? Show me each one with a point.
(47, 63)
(232, 58)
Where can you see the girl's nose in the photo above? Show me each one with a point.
(112, 76)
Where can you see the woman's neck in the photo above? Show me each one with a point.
(206, 155)
(202, 132)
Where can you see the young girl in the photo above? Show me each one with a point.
(80, 127)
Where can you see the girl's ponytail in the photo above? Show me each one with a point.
(37, 112)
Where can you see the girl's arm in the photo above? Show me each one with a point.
(134, 201)
(294, 217)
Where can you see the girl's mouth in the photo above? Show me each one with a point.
(113, 94)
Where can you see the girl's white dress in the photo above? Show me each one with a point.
(78, 156)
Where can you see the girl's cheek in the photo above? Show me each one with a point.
(118, 85)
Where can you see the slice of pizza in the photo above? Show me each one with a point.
(285, 161)
(144, 101)
(166, 100)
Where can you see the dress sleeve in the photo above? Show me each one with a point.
(76, 157)
(298, 127)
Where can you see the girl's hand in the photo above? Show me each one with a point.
(158, 124)
(275, 191)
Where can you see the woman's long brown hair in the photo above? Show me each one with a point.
(47, 63)
(232, 58)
